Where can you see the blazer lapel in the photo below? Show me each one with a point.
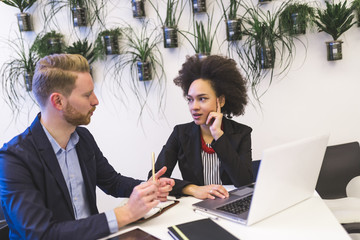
(87, 160)
(229, 130)
(192, 148)
(49, 158)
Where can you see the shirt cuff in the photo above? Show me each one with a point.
(111, 219)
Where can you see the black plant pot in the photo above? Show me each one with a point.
(54, 45)
(79, 16)
(24, 22)
(265, 56)
(111, 43)
(233, 29)
(28, 77)
(334, 50)
(170, 37)
(138, 8)
(297, 26)
(144, 71)
(199, 6)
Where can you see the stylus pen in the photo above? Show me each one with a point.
(153, 165)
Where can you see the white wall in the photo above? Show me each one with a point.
(316, 96)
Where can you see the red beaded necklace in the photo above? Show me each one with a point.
(204, 147)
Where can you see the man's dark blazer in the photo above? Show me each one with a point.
(184, 147)
(34, 195)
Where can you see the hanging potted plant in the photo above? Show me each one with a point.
(84, 12)
(355, 5)
(334, 20)
(199, 6)
(142, 53)
(49, 43)
(295, 17)
(233, 23)
(16, 75)
(107, 42)
(203, 38)
(174, 10)
(79, 13)
(263, 46)
(24, 19)
(138, 8)
(143, 58)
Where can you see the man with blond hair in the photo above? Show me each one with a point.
(49, 173)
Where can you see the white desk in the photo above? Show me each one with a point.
(310, 219)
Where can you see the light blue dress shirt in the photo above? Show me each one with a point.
(70, 167)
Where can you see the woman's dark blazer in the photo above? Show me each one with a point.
(184, 147)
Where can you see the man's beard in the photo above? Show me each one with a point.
(75, 118)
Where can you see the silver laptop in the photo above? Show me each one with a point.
(287, 176)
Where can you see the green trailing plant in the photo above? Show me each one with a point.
(263, 46)
(141, 50)
(48, 43)
(335, 19)
(22, 5)
(84, 48)
(16, 75)
(296, 17)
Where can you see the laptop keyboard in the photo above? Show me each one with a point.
(238, 206)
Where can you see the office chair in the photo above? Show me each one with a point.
(4, 229)
(339, 184)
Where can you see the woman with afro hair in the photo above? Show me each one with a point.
(212, 150)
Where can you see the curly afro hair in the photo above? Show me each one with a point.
(224, 76)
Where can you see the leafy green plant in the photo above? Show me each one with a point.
(142, 46)
(231, 11)
(174, 10)
(296, 17)
(335, 19)
(100, 46)
(355, 5)
(204, 38)
(48, 43)
(83, 48)
(264, 45)
(22, 5)
(16, 75)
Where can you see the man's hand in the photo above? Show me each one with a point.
(142, 199)
(164, 184)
